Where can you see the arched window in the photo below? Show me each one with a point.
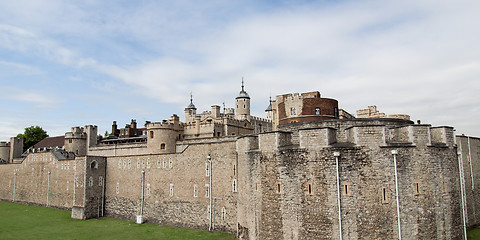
(162, 146)
(94, 164)
(317, 111)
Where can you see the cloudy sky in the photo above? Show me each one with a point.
(73, 63)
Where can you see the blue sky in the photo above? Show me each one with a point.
(70, 63)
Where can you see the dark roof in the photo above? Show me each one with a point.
(51, 142)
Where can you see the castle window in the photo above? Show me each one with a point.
(120, 163)
(244, 106)
(129, 163)
(162, 146)
(346, 189)
(234, 185)
(164, 163)
(159, 165)
(171, 189)
(138, 163)
(207, 190)
(317, 111)
(148, 162)
(117, 188)
(416, 187)
(384, 195)
(94, 164)
(195, 190)
(335, 111)
(310, 188)
(207, 169)
(100, 181)
(170, 163)
(148, 189)
(90, 181)
(224, 213)
(256, 186)
(69, 140)
(444, 186)
(151, 134)
(279, 187)
(234, 169)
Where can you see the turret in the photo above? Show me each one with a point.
(5, 151)
(16, 148)
(242, 105)
(190, 111)
(162, 136)
(269, 111)
(76, 141)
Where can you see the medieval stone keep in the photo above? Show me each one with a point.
(309, 170)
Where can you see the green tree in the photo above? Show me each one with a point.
(32, 135)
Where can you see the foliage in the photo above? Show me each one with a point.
(473, 234)
(31, 222)
(32, 135)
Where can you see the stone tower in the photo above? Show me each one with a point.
(5, 151)
(16, 148)
(190, 111)
(76, 141)
(242, 105)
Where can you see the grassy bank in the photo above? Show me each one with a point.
(19, 221)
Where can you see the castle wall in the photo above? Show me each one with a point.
(182, 173)
(32, 183)
(469, 156)
(5, 151)
(291, 193)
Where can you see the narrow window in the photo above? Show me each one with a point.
(90, 181)
(151, 134)
(195, 190)
(100, 181)
(256, 186)
(384, 194)
(117, 188)
(138, 163)
(234, 169)
(208, 212)
(171, 189)
(148, 162)
(234, 185)
(416, 187)
(317, 111)
(207, 190)
(309, 188)
(129, 163)
(143, 163)
(224, 213)
(159, 165)
(170, 163)
(444, 186)
(279, 187)
(164, 163)
(335, 110)
(162, 146)
(120, 163)
(207, 169)
(346, 189)
(148, 189)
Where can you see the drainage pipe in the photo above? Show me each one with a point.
(209, 159)
(394, 153)
(14, 183)
(143, 194)
(470, 161)
(103, 194)
(337, 155)
(48, 186)
(462, 192)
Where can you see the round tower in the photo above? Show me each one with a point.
(161, 137)
(76, 141)
(5, 151)
(190, 111)
(242, 105)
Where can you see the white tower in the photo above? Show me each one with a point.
(242, 105)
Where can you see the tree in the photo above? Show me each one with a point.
(32, 135)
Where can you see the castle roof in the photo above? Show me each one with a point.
(47, 142)
(269, 108)
(242, 93)
(191, 105)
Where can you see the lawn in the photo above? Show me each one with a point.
(19, 221)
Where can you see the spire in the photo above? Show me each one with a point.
(242, 93)
(191, 105)
(269, 108)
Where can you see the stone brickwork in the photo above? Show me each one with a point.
(288, 191)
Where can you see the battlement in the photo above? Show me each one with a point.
(4, 144)
(76, 132)
(260, 119)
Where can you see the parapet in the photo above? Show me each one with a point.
(4, 144)
(274, 140)
(316, 138)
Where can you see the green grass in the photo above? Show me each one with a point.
(19, 221)
(473, 234)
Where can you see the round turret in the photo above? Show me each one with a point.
(242, 105)
(161, 137)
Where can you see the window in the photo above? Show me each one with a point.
(234, 185)
(384, 195)
(234, 169)
(207, 190)
(195, 190)
(117, 188)
(244, 106)
(138, 163)
(444, 186)
(164, 163)
(90, 181)
(170, 163)
(256, 186)
(69, 140)
(335, 112)
(148, 162)
(129, 163)
(207, 169)
(317, 111)
(162, 146)
(310, 188)
(151, 134)
(346, 189)
(416, 187)
(159, 165)
(148, 189)
(120, 163)
(279, 187)
(224, 213)
(100, 181)
(171, 189)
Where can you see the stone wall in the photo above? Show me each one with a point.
(469, 156)
(41, 179)
(289, 192)
(176, 186)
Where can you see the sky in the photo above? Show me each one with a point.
(77, 63)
